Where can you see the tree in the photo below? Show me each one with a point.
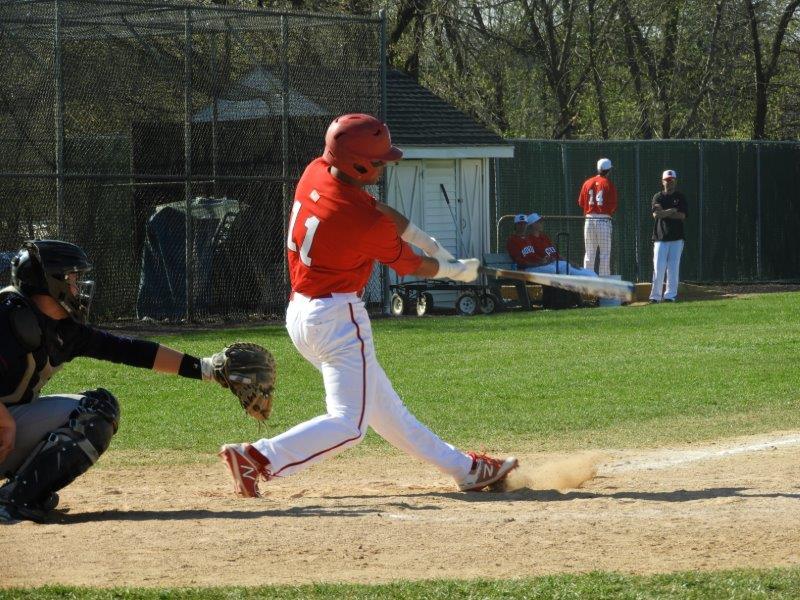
(766, 65)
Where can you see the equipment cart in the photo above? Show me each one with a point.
(414, 297)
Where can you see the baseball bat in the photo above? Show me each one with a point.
(591, 286)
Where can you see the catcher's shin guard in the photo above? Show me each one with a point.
(63, 455)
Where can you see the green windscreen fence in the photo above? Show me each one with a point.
(744, 214)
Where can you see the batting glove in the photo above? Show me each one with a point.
(465, 269)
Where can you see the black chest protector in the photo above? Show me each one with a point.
(42, 340)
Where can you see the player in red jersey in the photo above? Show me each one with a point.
(535, 251)
(336, 232)
(598, 200)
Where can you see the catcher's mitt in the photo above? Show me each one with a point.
(248, 370)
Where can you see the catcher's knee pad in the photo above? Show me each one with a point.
(101, 402)
(67, 452)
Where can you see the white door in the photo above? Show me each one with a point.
(440, 204)
(404, 193)
(403, 188)
(441, 214)
(473, 206)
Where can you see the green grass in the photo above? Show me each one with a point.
(742, 584)
(544, 380)
(616, 377)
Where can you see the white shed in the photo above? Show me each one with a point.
(442, 183)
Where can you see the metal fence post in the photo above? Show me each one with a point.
(758, 211)
(700, 201)
(637, 236)
(495, 183)
(382, 15)
(187, 153)
(564, 165)
(214, 115)
(383, 186)
(285, 188)
(59, 121)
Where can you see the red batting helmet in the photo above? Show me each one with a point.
(353, 143)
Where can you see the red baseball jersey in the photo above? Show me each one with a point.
(598, 196)
(335, 234)
(530, 250)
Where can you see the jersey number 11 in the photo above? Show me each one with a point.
(311, 225)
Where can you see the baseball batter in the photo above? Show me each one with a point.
(46, 442)
(598, 200)
(336, 232)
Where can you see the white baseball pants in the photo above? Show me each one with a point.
(562, 269)
(335, 335)
(666, 260)
(597, 234)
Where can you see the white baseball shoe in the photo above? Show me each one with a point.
(246, 465)
(485, 471)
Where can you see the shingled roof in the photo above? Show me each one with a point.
(418, 117)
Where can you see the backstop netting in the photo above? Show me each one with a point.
(743, 223)
(167, 140)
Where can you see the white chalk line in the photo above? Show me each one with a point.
(676, 458)
(630, 510)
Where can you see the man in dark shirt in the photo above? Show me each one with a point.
(669, 213)
(48, 441)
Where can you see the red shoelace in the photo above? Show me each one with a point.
(476, 456)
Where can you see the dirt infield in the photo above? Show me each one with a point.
(375, 519)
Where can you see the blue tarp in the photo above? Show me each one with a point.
(162, 282)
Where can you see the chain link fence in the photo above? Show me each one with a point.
(166, 140)
(743, 223)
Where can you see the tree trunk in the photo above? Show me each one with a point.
(602, 111)
(645, 126)
(763, 74)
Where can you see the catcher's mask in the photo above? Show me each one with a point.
(57, 269)
(359, 145)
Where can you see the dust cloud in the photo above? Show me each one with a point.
(562, 474)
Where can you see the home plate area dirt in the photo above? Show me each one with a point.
(368, 519)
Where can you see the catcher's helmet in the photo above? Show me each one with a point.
(43, 267)
(357, 145)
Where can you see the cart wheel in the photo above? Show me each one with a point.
(397, 304)
(466, 304)
(488, 303)
(424, 304)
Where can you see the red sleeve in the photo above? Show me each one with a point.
(612, 198)
(582, 197)
(383, 243)
(514, 249)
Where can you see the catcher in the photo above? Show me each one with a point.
(48, 441)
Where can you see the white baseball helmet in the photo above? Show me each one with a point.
(604, 164)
